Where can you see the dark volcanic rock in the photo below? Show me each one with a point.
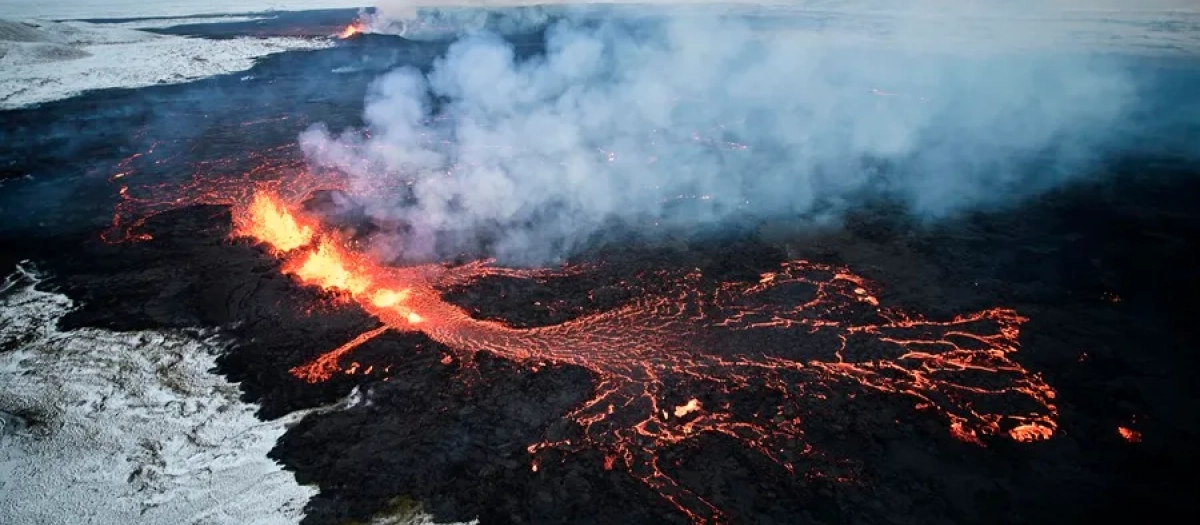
(1105, 271)
(456, 441)
(614, 278)
(453, 436)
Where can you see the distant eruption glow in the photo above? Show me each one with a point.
(666, 366)
(354, 28)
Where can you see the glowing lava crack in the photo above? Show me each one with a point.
(696, 336)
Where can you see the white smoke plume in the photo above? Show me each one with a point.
(434, 20)
(686, 118)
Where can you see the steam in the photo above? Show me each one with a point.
(683, 120)
(403, 18)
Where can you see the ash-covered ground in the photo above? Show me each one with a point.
(1103, 268)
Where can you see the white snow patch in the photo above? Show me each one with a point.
(127, 427)
(76, 9)
(45, 61)
(99, 426)
(153, 23)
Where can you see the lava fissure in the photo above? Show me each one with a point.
(783, 337)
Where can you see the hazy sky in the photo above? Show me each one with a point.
(135, 8)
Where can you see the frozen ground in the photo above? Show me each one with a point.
(150, 23)
(77, 9)
(126, 427)
(41, 61)
(131, 427)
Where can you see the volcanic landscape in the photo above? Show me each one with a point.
(1029, 361)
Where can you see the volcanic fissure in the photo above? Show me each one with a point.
(667, 367)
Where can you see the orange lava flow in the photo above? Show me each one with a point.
(1129, 435)
(665, 366)
(687, 408)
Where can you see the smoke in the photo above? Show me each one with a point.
(685, 119)
(429, 22)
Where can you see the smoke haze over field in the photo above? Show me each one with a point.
(691, 119)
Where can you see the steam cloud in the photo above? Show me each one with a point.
(685, 119)
(402, 18)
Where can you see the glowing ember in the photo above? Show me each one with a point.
(694, 338)
(1130, 435)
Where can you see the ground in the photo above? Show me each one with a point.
(1102, 268)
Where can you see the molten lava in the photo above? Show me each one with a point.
(650, 357)
(265, 219)
(330, 268)
(687, 408)
(355, 28)
(1129, 435)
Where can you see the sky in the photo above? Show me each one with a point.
(66, 9)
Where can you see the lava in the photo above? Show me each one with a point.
(354, 28)
(691, 406)
(266, 219)
(1129, 435)
(670, 367)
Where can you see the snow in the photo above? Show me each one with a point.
(77, 9)
(46, 61)
(99, 426)
(151, 23)
(127, 427)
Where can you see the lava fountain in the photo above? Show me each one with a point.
(698, 341)
(354, 28)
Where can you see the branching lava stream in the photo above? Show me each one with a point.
(829, 321)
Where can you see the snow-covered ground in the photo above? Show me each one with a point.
(126, 427)
(150, 23)
(78, 9)
(41, 61)
(132, 427)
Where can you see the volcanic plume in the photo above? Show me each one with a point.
(686, 121)
(687, 360)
